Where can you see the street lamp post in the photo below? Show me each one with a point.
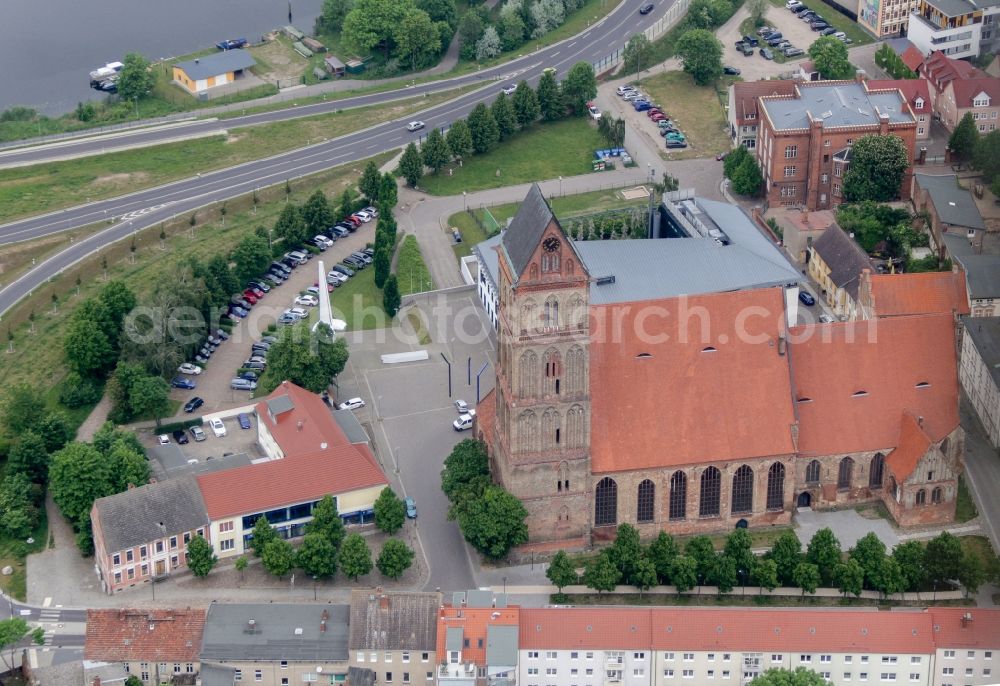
(465, 201)
(560, 186)
(314, 586)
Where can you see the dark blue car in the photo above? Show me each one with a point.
(244, 420)
(807, 298)
(642, 105)
(182, 382)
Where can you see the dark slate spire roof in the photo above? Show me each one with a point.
(525, 231)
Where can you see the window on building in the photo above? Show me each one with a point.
(936, 495)
(130, 573)
(711, 492)
(388, 677)
(981, 102)
(258, 675)
(406, 677)
(776, 657)
(551, 655)
(118, 577)
(532, 654)
(128, 555)
(237, 675)
(668, 673)
(805, 658)
(678, 495)
(949, 654)
(606, 502)
(845, 474)
(645, 501)
(847, 676)
(668, 657)
(742, 501)
(863, 676)
(791, 152)
(689, 657)
(876, 470)
(227, 544)
(789, 171)
(532, 671)
(824, 658)
(688, 674)
(776, 486)
(224, 527)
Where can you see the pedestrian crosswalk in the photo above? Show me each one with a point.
(48, 619)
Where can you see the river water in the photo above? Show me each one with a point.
(48, 47)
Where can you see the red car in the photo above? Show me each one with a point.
(256, 291)
(659, 116)
(250, 297)
(653, 110)
(353, 221)
(329, 287)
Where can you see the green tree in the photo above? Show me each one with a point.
(372, 24)
(638, 53)
(525, 104)
(561, 571)
(251, 257)
(963, 140)
(806, 576)
(786, 677)
(369, 183)
(910, 558)
(465, 475)
(382, 263)
(644, 575)
(849, 577)
(787, 554)
(764, 573)
(241, 565)
(390, 512)
(824, 552)
(888, 578)
(878, 164)
(18, 512)
(78, 475)
(12, 632)
(290, 226)
(869, 551)
(134, 394)
(133, 680)
(986, 157)
(395, 558)
(261, 535)
(511, 30)
(390, 296)
(747, 179)
(440, 10)
(417, 39)
(829, 55)
(135, 80)
(758, 10)
(317, 214)
(601, 574)
(504, 116)
(118, 299)
(388, 194)
(701, 550)
(326, 520)
(684, 573)
(733, 161)
(943, 558)
(484, 129)
(86, 348)
(738, 548)
(201, 557)
(28, 456)
(54, 429)
(470, 29)
(663, 551)
(579, 87)
(435, 151)
(331, 18)
(311, 359)
(411, 165)
(355, 557)
(494, 523)
(21, 410)
(459, 139)
(723, 574)
(701, 53)
(128, 467)
(626, 551)
(971, 574)
(317, 556)
(278, 557)
(550, 102)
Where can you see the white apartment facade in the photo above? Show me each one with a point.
(955, 666)
(979, 372)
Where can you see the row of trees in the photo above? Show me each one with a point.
(892, 63)
(910, 567)
(517, 22)
(487, 126)
(491, 519)
(969, 146)
(829, 55)
(325, 547)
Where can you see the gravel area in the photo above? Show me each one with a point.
(755, 67)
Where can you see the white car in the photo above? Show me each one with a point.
(622, 90)
(372, 211)
(189, 368)
(364, 216)
(163, 439)
(337, 276)
(297, 312)
(508, 90)
(464, 422)
(415, 126)
(320, 238)
(308, 300)
(218, 428)
(595, 111)
(352, 404)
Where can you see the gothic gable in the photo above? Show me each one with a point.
(535, 247)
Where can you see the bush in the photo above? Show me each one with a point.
(180, 426)
(77, 391)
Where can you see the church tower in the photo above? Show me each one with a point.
(542, 432)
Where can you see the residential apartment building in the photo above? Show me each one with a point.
(958, 28)
(804, 140)
(743, 113)
(275, 644)
(957, 87)
(836, 262)
(394, 634)
(967, 646)
(979, 371)
(131, 547)
(155, 646)
(477, 640)
(886, 18)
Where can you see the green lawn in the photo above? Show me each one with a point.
(696, 110)
(980, 547)
(359, 302)
(14, 552)
(42, 188)
(544, 151)
(835, 19)
(471, 233)
(411, 272)
(965, 508)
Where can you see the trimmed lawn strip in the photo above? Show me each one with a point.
(835, 19)
(359, 302)
(965, 508)
(543, 151)
(696, 110)
(26, 191)
(471, 233)
(979, 546)
(411, 271)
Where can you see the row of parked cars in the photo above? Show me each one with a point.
(673, 136)
(217, 426)
(815, 21)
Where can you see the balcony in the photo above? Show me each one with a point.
(457, 673)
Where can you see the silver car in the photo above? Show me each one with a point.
(242, 385)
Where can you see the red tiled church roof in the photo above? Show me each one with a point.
(911, 446)
(144, 635)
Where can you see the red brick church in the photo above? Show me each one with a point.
(701, 411)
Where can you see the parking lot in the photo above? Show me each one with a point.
(754, 67)
(410, 411)
(213, 382)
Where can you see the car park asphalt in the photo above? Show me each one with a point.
(148, 207)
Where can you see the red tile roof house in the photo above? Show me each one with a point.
(957, 87)
(477, 640)
(142, 533)
(156, 646)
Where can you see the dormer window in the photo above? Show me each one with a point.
(981, 100)
(919, 103)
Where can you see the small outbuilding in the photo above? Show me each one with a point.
(334, 65)
(214, 70)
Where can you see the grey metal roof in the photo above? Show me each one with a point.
(279, 632)
(454, 638)
(985, 334)
(954, 204)
(479, 598)
(648, 269)
(501, 645)
(954, 8)
(845, 258)
(982, 270)
(352, 428)
(214, 675)
(175, 462)
(393, 620)
(488, 257)
(135, 517)
(279, 404)
(844, 104)
(217, 63)
(743, 232)
(521, 238)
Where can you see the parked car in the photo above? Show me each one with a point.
(464, 422)
(370, 251)
(255, 358)
(805, 297)
(163, 439)
(373, 211)
(281, 267)
(793, 52)
(508, 90)
(252, 376)
(182, 382)
(319, 245)
(188, 368)
(180, 436)
(221, 335)
(828, 31)
(751, 41)
(766, 54)
(462, 407)
(298, 312)
(193, 404)
(411, 508)
(363, 216)
(340, 231)
(775, 42)
(826, 319)
(238, 311)
(244, 419)
(352, 404)
(257, 366)
(201, 359)
(284, 319)
(676, 144)
(622, 90)
(819, 25)
(354, 262)
(642, 105)
(764, 30)
(839, 34)
(277, 277)
(647, 8)
(363, 256)
(342, 269)
(415, 126)
(259, 286)
(773, 35)
(594, 111)
(197, 433)
(218, 428)
(309, 300)
(731, 71)
(239, 384)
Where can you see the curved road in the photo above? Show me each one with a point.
(148, 207)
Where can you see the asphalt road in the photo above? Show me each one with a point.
(148, 207)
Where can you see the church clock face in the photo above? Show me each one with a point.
(550, 244)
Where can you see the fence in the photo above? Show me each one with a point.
(678, 10)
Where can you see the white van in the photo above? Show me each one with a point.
(464, 422)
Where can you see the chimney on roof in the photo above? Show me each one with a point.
(966, 620)
(383, 601)
(920, 421)
(299, 425)
(781, 345)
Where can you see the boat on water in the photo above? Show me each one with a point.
(108, 70)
